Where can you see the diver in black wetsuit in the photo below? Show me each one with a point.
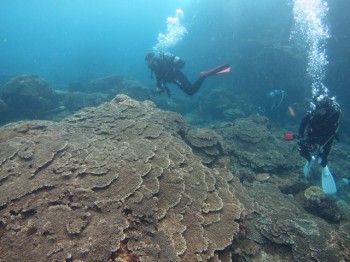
(167, 68)
(321, 126)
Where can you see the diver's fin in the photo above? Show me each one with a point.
(222, 69)
(328, 184)
(308, 166)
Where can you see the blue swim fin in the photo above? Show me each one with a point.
(308, 166)
(328, 185)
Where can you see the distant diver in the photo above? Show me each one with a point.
(321, 125)
(273, 105)
(277, 96)
(167, 68)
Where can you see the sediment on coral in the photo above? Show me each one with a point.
(111, 182)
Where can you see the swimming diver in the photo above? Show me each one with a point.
(167, 68)
(321, 125)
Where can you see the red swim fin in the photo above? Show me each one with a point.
(222, 69)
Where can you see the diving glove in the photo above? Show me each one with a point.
(328, 184)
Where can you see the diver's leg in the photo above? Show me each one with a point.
(186, 86)
(328, 183)
(325, 152)
(304, 152)
(196, 85)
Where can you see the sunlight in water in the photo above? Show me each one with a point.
(310, 16)
(175, 32)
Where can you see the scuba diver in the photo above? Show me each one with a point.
(276, 97)
(167, 68)
(272, 104)
(321, 125)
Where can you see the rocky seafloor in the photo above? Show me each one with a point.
(126, 181)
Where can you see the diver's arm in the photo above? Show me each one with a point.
(159, 82)
(303, 125)
(334, 123)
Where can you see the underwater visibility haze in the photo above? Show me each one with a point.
(107, 156)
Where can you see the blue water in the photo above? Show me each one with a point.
(76, 40)
(79, 40)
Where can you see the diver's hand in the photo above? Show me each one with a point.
(163, 89)
(302, 142)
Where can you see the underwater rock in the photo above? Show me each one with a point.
(205, 143)
(78, 100)
(104, 84)
(109, 183)
(27, 96)
(133, 89)
(3, 106)
(110, 86)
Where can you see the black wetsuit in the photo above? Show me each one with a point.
(167, 67)
(321, 127)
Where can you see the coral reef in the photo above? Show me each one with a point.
(205, 143)
(121, 182)
(281, 220)
(116, 182)
(253, 146)
(316, 202)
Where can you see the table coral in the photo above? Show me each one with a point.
(109, 183)
(205, 143)
(252, 145)
(281, 220)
